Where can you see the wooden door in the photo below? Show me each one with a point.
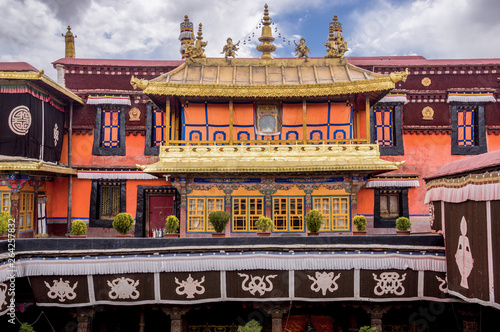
(160, 207)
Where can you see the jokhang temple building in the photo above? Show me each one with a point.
(253, 137)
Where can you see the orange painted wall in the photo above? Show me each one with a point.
(82, 153)
(57, 198)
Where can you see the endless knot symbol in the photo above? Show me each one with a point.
(20, 120)
(389, 282)
(123, 288)
(61, 289)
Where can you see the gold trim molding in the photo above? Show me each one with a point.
(33, 166)
(264, 90)
(270, 158)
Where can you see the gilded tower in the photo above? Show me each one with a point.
(69, 39)
(185, 35)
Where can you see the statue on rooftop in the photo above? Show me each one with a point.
(301, 49)
(230, 48)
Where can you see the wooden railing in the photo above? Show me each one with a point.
(268, 142)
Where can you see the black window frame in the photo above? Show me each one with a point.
(149, 148)
(97, 149)
(397, 147)
(479, 130)
(95, 202)
(378, 221)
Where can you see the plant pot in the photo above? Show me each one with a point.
(218, 234)
(78, 236)
(263, 233)
(123, 235)
(403, 232)
(313, 234)
(171, 235)
(358, 232)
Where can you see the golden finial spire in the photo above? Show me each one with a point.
(69, 40)
(267, 37)
(197, 50)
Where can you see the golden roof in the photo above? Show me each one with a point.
(269, 158)
(35, 166)
(42, 81)
(277, 78)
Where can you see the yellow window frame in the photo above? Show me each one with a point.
(288, 214)
(198, 209)
(244, 218)
(336, 212)
(26, 203)
(5, 203)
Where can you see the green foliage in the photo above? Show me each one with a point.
(4, 222)
(367, 329)
(264, 223)
(314, 220)
(78, 227)
(403, 224)
(171, 224)
(122, 223)
(219, 220)
(251, 326)
(360, 222)
(25, 327)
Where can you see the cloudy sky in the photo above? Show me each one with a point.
(30, 30)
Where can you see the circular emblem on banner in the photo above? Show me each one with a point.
(20, 120)
(426, 81)
(56, 134)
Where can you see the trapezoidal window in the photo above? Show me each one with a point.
(267, 119)
(107, 199)
(109, 131)
(468, 132)
(387, 129)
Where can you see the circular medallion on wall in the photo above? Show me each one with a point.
(426, 81)
(20, 120)
(427, 113)
(134, 114)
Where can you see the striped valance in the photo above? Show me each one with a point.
(395, 98)
(392, 182)
(467, 97)
(115, 175)
(108, 100)
(25, 88)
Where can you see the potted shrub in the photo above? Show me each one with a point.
(219, 220)
(359, 222)
(314, 221)
(367, 329)
(171, 226)
(122, 223)
(403, 226)
(78, 228)
(251, 326)
(264, 225)
(4, 225)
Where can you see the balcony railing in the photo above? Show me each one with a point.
(268, 142)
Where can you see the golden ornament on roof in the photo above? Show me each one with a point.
(267, 37)
(69, 40)
(230, 48)
(301, 49)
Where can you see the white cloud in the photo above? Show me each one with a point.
(434, 29)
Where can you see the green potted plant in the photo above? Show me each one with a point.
(359, 222)
(171, 226)
(25, 327)
(4, 225)
(219, 220)
(403, 226)
(78, 228)
(367, 329)
(251, 326)
(264, 225)
(122, 223)
(314, 221)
